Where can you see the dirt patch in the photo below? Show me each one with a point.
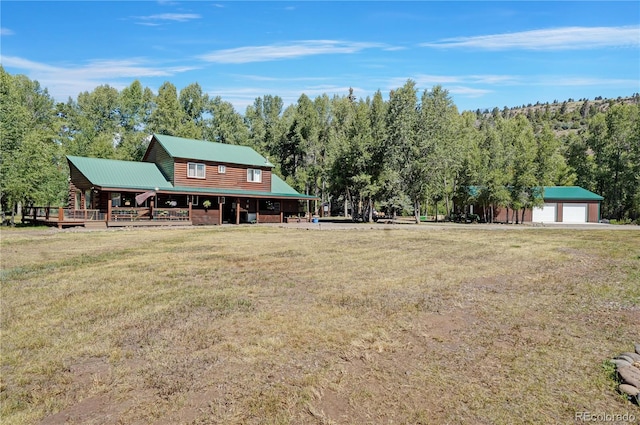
(90, 410)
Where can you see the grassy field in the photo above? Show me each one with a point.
(268, 325)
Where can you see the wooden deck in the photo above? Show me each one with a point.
(117, 217)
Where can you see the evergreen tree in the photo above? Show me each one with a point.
(406, 172)
(168, 116)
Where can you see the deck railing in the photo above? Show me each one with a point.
(129, 214)
(63, 214)
(60, 214)
(85, 215)
(181, 214)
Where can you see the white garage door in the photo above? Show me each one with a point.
(545, 214)
(574, 213)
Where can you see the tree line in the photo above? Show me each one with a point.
(414, 153)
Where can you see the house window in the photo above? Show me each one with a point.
(222, 169)
(194, 199)
(116, 199)
(195, 170)
(267, 205)
(87, 199)
(254, 175)
(78, 201)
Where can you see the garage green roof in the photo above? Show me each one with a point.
(556, 193)
(202, 150)
(120, 174)
(570, 193)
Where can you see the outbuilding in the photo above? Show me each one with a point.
(562, 204)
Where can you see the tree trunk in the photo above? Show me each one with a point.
(522, 220)
(426, 207)
(447, 201)
(436, 212)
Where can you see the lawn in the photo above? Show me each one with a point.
(269, 325)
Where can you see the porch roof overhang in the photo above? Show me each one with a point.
(209, 192)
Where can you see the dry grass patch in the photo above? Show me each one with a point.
(279, 325)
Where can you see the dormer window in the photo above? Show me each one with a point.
(195, 170)
(254, 175)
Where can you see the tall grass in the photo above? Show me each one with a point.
(254, 325)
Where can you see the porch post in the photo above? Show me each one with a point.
(189, 210)
(257, 210)
(108, 207)
(219, 212)
(237, 210)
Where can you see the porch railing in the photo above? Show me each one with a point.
(60, 214)
(63, 214)
(129, 214)
(180, 214)
(85, 215)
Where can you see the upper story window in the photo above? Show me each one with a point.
(195, 170)
(254, 175)
(222, 169)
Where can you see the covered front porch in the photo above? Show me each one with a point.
(102, 208)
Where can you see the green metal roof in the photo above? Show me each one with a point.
(280, 186)
(114, 174)
(557, 193)
(569, 193)
(202, 150)
(120, 174)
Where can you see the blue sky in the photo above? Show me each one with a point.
(485, 54)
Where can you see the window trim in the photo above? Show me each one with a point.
(251, 175)
(196, 166)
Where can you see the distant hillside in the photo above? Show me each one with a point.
(564, 116)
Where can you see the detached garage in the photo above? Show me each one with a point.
(568, 204)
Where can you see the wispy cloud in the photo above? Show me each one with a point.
(567, 38)
(71, 79)
(163, 17)
(426, 81)
(6, 31)
(253, 77)
(243, 96)
(469, 92)
(286, 51)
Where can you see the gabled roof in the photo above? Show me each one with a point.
(143, 176)
(202, 150)
(117, 174)
(555, 193)
(570, 193)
